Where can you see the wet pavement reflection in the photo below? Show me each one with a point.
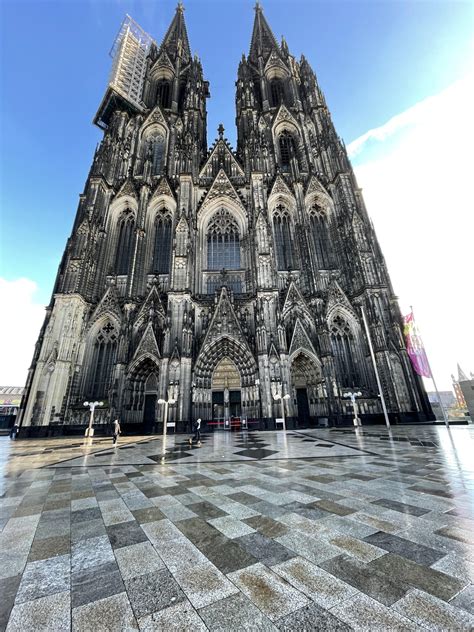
(357, 528)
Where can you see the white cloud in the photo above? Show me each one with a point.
(20, 322)
(419, 193)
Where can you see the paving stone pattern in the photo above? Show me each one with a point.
(317, 530)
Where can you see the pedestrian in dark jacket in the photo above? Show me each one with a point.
(197, 432)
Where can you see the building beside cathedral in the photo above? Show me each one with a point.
(221, 280)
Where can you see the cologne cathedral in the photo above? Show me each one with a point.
(228, 283)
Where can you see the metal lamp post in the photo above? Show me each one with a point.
(171, 400)
(353, 396)
(283, 399)
(257, 384)
(92, 406)
(277, 388)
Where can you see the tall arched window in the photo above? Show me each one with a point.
(320, 235)
(283, 238)
(287, 149)
(163, 93)
(158, 152)
(223, 242)
(277, 92)
(103, 360)
(344, 350)
(162, 244)
(125, 243)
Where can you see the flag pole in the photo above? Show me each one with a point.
(377, 377)
(445, 417)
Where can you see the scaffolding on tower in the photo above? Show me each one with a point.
(125, 88)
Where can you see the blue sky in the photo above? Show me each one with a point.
(374, 60)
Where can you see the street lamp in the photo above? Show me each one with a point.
(171, 400)
(92, 406)
(353, 396)
(277, 395)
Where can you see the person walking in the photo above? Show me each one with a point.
(116, 431)
(14, 431)
(197, 433)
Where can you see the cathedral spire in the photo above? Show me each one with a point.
(263, 41)
(176, 42)
(462, 377)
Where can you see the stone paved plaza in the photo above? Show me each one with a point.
(312, 530)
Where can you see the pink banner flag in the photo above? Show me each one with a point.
(415, 348)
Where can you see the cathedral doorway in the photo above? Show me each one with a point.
(305, 378)
(303, 405)
(226, 392)
(151, 397)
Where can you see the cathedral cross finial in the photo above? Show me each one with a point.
(221, 130)
(258, 6)
(180, 7)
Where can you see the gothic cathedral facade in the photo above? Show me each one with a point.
(219, 280)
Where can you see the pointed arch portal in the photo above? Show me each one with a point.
(143, 392)
(226, 392)
(224, 381)
(306, 378)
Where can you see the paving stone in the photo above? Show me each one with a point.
(227, 555)
(401, 507)
(312, 617)
(433, 613)
(267, 526)
(311, 548)
(356, 548)
(204, 584)
(362, 613)
(273, 596)
(332, 507)
(91, 552)
(179, 512)
(231, 527)
(44, 577)
(138, 559)
(105, 615)
(432, 581)
(96, 583)
(49, 547)
(379, 585)
(411, 550)
(125, 534)
(456, 534)
(8, 590)
(465, 599)
(44, 614)
(267, 509)
(28, 510)
(85, 515)
(152, 592)
(314, 582)
(264, 549)
(178, 618)
(313, 513)
(233, 614)
(147, 514)
(243, 498)
(176, 551)
(258, 495)
(347, 526)
(87, 529)
(53, 527)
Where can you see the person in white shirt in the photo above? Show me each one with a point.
(116, 431)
